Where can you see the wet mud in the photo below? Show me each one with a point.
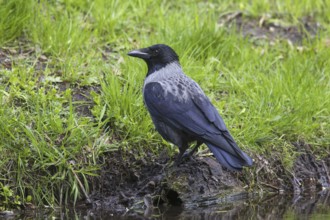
(129, 184)
(311, 206)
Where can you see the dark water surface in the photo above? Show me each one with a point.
(309, 206)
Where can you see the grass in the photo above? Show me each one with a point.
(269, 95)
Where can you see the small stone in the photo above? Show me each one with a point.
(42, 58)
(12, 51)
(6, 213)
(151, 184)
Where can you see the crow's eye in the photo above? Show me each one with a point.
(156, 51)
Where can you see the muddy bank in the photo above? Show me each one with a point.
(312, 206)
(128, 182)
(131, 182)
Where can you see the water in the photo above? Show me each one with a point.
(312, 206)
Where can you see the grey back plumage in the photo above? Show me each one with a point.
(174, 82)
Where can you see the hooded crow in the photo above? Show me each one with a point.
(180, 110)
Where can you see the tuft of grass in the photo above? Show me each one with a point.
(15, 16)
(44, 143)
(270, 95)
(122, 105)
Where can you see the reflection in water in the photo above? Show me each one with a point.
(315, 206)
(311, 206)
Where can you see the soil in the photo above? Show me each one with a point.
(271, 28)
(311, 206)
(128, 183)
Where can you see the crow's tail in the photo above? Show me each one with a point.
(232, 162)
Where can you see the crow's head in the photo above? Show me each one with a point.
(156, 56)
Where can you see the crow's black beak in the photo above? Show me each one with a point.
(141, 53)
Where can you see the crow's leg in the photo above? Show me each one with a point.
(182, 150)
(190, 153)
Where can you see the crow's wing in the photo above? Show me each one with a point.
(195, 115)
(209, 111)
